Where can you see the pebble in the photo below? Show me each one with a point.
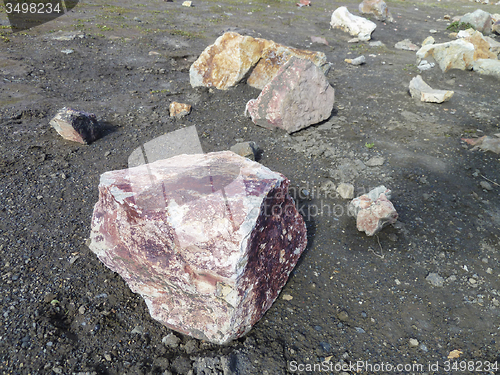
(107, 357)
(287, 297)
(346, 191)
(413, 343)
(360, 330)
(486, 185)
(343, 316)
(434, 279)
(472, 281)
(171, 340)
(375, 161)
(138, 329)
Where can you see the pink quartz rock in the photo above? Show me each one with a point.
(297, 97)
(373, 211)
(76, 126)
(208, 240)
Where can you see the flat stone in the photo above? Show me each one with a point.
(356, 26)
(373, 211)
(419, 89)
(207, 240)
(479, 19)
(179, 110)
(297, 97)
(246, 149)
(375, 161)
(435, 280)
(457, 54)
(406, 45)
(76, 126)
(376, 7)
(428, 40)
(360, 60)
(232, 56)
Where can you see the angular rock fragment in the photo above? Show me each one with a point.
(376, 7)
(421, 90)
(485, 143)
(232, 56)
(346, 191)
(297, 97)
(248, 150)
(457, 54)
(373, 211)
(496, 27)
(479, 19)
(207, 240)
(488, 67)
(482, 46)
(77, 126)
(354, 25)
(360, 60)
(179, 110)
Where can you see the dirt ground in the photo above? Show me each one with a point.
(358, 301)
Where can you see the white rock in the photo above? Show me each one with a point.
(425, 65)
(487, 66)
(457, 54)
(354, 25)
(419, 89)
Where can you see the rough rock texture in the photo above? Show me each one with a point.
(179, 110)
(373, 211)
(457, 54)
(485, 143)
(248, 150)
(297, 97)
(496, 27)
(354, 25)
(207, 240)
(227, 61)
(482, 46)
(488, 67)
(376, 7)
(419, 89)
(346, 191)
(360, 60)
(480, 19)
(75, 125)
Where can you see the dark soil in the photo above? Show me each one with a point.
(355, 298)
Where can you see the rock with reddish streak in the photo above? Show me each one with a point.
(208, 240)
(76, 126)
(297, 97)
(373, 211)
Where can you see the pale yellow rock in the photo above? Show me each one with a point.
(420, 89)
(457, 54)
(481, 46)
(428, 40)
(179, 109)
(227, 61)
(186, 3)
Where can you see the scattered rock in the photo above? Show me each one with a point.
(482, 47)
(425, 65)
(479, 19)
(179, 110)
(227, 61)
(413, 343)
(457, 54)
(376, 7)
(287, 297)
(356, 26)
(406, 45)
(485, 143)
(66, 36)
(138, 330)
(488, 67)
(434, 279)
(208, 240)
(486, 185)
(187, 4)
(419, 89)
(77, 126)
(171, 340)
(375, 161)
(378, 43)
(318, 39)
(496, 27)
(346, 191)
(248, 150)
(357, 61)
(297, 97)
(428, 40)
(373, 211)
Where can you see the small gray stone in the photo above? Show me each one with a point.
(413, 343)
(138, 329)
(434, 279)
(171, 340)
(486, 185)
(246, 149)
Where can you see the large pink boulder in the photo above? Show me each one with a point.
(297, 97)
(208, 240)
